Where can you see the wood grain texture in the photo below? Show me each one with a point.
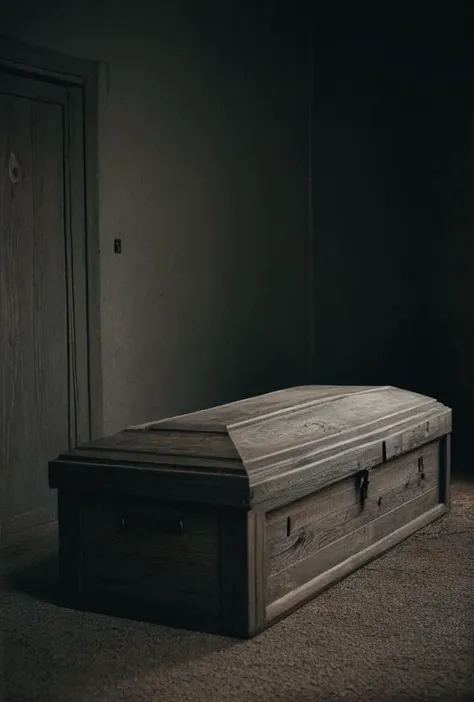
(173, 443)
(243, 579)
(48, 74)
(287, 444)
(174, 485)
(294, 599)
(45, 257)
(34, 406)
(346, 417)
(445, 470)
(173, 523)
(260, 570)
(395, 436)
(139, 571)
(125, 525)
(90, 454)
(308, 475)
(165, 576)
(144, 551)
(217, 419)
(302, 528)
(329, 556)
(237, 571)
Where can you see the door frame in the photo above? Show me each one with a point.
(48, 66)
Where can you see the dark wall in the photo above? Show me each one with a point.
(203, 173)
(393, 184)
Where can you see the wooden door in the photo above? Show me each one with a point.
(44, 404)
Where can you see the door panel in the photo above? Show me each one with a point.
(35, 412)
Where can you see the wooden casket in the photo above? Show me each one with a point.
(226, 520)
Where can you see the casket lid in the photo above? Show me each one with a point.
(267, 449)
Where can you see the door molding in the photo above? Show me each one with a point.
(82, 76)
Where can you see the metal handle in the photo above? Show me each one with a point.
(139, 522)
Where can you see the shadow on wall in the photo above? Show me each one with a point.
(393, 178)
(203, 160)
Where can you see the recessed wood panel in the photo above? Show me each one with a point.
(306, 526)
(150, 551)
(34, 402)
(322, 545)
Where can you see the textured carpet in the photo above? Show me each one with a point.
(402, 628)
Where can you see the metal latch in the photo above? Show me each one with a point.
(363, 480)
(421, 467)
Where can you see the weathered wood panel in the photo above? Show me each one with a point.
(151, 553)
(211, 542)
(237, 571)
(174, 485)
(285, 444)
(34, 402)
(347, 417)
(199, 445)
(307, 474)
(90, 454)
(251, 408)
(47, 298)
(146, 569)
(445, 470)
(283, 606)
(146, 524)
(283, 582)
(302, 528)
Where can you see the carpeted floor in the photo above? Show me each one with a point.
(401, 628)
